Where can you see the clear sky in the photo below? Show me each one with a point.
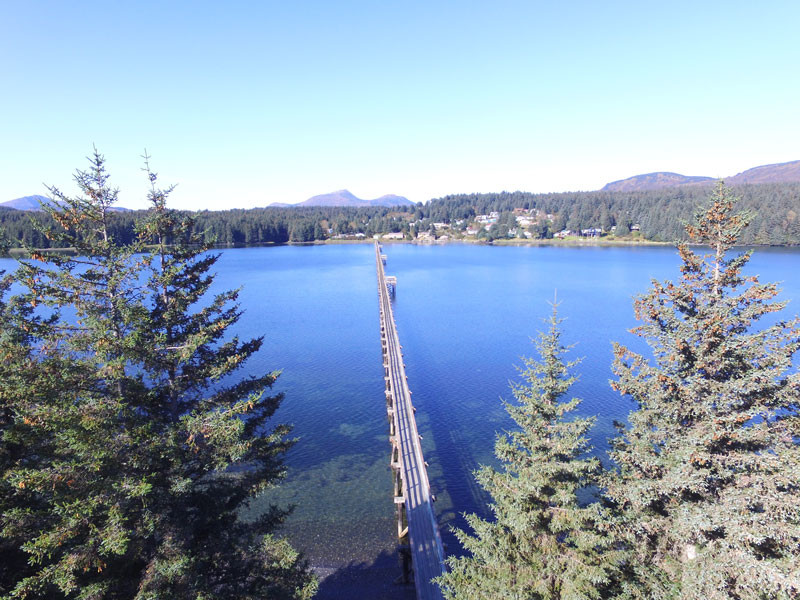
(246, 103)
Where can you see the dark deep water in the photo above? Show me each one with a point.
(465, 314)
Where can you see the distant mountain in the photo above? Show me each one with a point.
(27, 203)
(347, 198)
(788, 172)
(390, 200)
(35, 203)
(654, 181)
(338, 198)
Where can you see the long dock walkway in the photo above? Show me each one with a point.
(416, 520)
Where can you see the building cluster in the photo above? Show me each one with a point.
(352, 236)
(497, 224)
(590, 232)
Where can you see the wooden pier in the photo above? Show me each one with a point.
(416, 520)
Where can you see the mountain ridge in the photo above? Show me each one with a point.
(347, 198)
(788, 172)
(27, 202)
(36, 201)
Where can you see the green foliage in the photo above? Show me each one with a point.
(542, 543)
(660, 213)
(15, 375)
(128, 449)
(709, 467)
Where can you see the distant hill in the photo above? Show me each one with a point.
(347, 198)
(788, 172)
(35, 203)
(391, 200)
(27, 203)
(338, 198)
(654, 181)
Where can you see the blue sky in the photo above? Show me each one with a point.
(246, 103)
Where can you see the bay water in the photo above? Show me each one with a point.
(465, 315)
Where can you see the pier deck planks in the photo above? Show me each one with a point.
(427, 553)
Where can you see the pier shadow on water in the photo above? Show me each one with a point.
(375, 580)
(352, 557)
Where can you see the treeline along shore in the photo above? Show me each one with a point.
(656, 215)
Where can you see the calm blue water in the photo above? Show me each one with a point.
(465, 316)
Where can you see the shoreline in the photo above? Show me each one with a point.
(507, 242)
(569, 243)
(564, 243)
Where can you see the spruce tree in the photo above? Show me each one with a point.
(141, 446)
(542, 543)
(709, 467)
(16, 375)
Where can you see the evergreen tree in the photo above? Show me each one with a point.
(709, 473)
(16, 374)
(542, 544)
(140, 451)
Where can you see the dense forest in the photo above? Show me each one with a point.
(660, 215)
(233, 227)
